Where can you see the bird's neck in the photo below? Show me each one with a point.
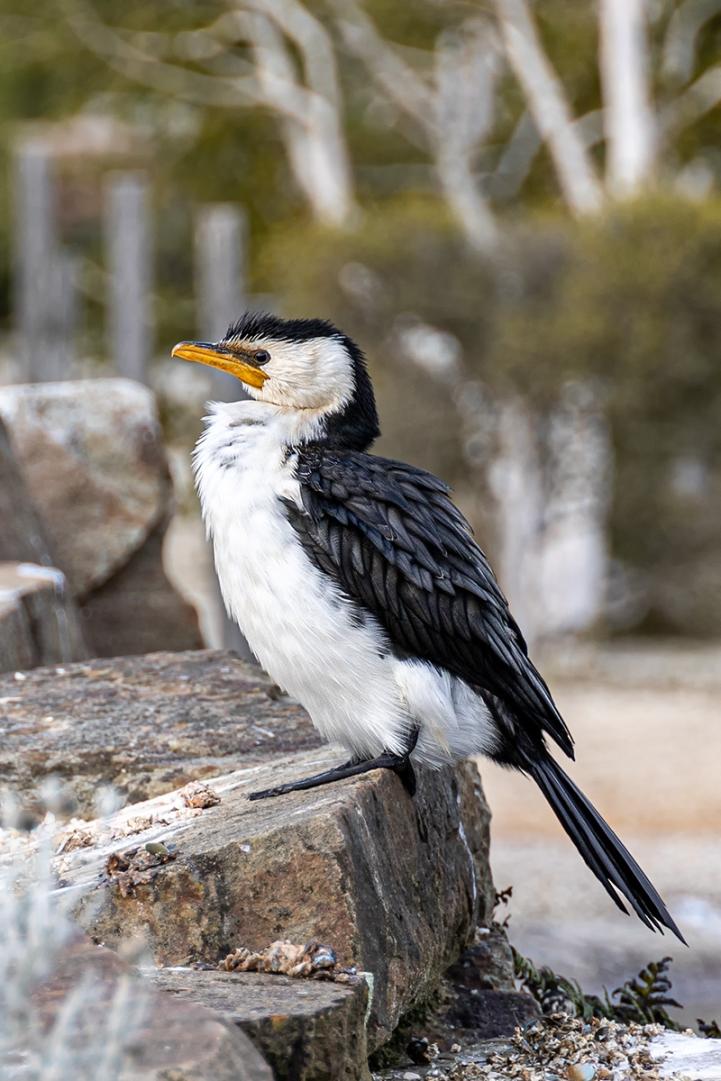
(347, 429)
(353, 428)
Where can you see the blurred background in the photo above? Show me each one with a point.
(516, 210)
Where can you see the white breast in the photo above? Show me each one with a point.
(301, 629)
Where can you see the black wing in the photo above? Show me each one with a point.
(393, 540)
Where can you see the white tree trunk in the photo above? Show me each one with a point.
(461, 192)
(549, 107)
(328, 183)
(516, 482)
(573, 549)
(628, 117)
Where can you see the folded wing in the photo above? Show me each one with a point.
(391, 538)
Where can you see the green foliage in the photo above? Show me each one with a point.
(643, 1000)
(558, 994)
(633, 303)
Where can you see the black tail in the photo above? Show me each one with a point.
(611, 862)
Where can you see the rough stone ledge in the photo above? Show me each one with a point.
(308, 1030)
(143, 724)
(394, 885)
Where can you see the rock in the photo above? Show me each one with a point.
(23, 537)
(306, 1030)
(93, 460)
(137, 610)
(164, 1039)
(394, 885)
(143, 724)
(38, 621)
(489, 1014)
(488, 963)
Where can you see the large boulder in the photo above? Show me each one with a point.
(93, 459)
(395, 885)
(39, 622)
(23, 537)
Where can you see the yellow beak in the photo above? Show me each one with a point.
(226, 360)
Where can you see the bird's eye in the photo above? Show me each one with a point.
(262, 356)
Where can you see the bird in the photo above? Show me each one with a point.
(361, 590)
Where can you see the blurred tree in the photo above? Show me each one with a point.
(418, 132)
(606, 331)
(360, 100)
(289, 70)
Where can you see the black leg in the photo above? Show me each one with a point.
(399, 763)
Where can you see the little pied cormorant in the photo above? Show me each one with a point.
(361, 591)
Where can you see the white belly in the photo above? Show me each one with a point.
(304, 632)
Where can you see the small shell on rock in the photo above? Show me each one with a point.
(313, 960)
(199, 795)
(583, 1071)
(74, 839)
(157, 848)
(321, 956)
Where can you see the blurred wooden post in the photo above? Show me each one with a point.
(127, 243)
(45, 294)
(62, 294)
(220, 233)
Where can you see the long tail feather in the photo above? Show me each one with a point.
(609, 859)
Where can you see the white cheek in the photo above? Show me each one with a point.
(317, 374)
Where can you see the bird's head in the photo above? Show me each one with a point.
(297, 364)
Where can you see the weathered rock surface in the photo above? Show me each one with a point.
(93, 460)
(144, 724)
(23, 537)
(38, 621)
(94, 463)
(481, 1001)
(488, 963)
(489, 1014)
(394, 885)
(307, 1030)
(38, 624)
(137, 610)
(164, 1039)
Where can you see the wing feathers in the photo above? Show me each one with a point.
(392, 539)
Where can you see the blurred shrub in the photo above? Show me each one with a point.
(630, 303)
